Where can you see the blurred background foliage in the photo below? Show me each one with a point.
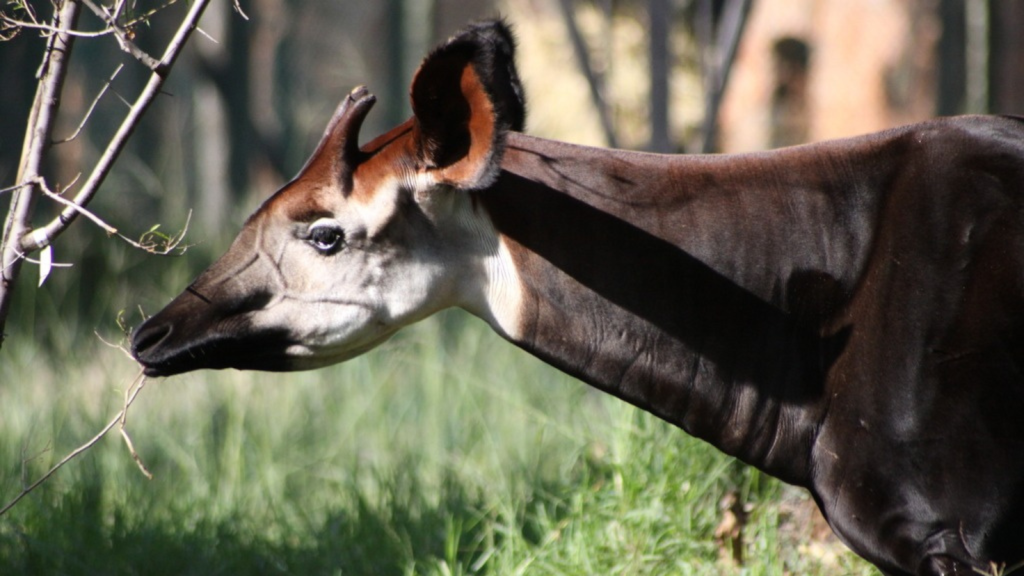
(448, 451)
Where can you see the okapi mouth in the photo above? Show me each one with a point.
(161, 352)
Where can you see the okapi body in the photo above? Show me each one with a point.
(847, 316)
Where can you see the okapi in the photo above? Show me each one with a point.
(847, 316)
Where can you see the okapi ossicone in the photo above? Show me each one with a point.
(847, 316)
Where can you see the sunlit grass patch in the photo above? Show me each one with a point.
(446, 452)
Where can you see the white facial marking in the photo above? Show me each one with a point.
(377, 211)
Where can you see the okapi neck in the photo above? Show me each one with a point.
(611, 298)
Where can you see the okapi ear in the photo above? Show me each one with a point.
(466, 96)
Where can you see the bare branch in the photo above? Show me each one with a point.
(26, 7)
(151, 241)
(37, 141)
(57, 226)
(92, 107)
(137, 385)
(41, 182)
(6, 36)
(15, 30)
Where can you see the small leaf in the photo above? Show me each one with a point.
(45, 263)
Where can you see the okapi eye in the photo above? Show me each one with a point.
(327, 237)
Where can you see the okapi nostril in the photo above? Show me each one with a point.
(148, 336)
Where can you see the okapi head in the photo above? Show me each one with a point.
(364, 240)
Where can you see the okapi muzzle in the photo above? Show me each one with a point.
(210, 324)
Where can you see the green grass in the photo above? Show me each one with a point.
(448, 451)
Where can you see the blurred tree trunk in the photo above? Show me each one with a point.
(1007, 57)
(270, 89)
(719, 29)
(659, 17)
(221, 110)
(239, 130)
(977, 48)
(952, 63)
(19, 59)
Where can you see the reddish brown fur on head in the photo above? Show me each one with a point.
(465, 97)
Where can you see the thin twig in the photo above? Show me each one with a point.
(238, 8)
(7, 20)
(27, 8)
(31, 260)
(129, 397)
(41, 182)
(144, 17)
(152, 242)
(165, 245)
(116, 12)
(206, 35)
(122, 36)
(13, 188)
(140, 379)
(49, 30)
(113, 345)
(88, 113)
